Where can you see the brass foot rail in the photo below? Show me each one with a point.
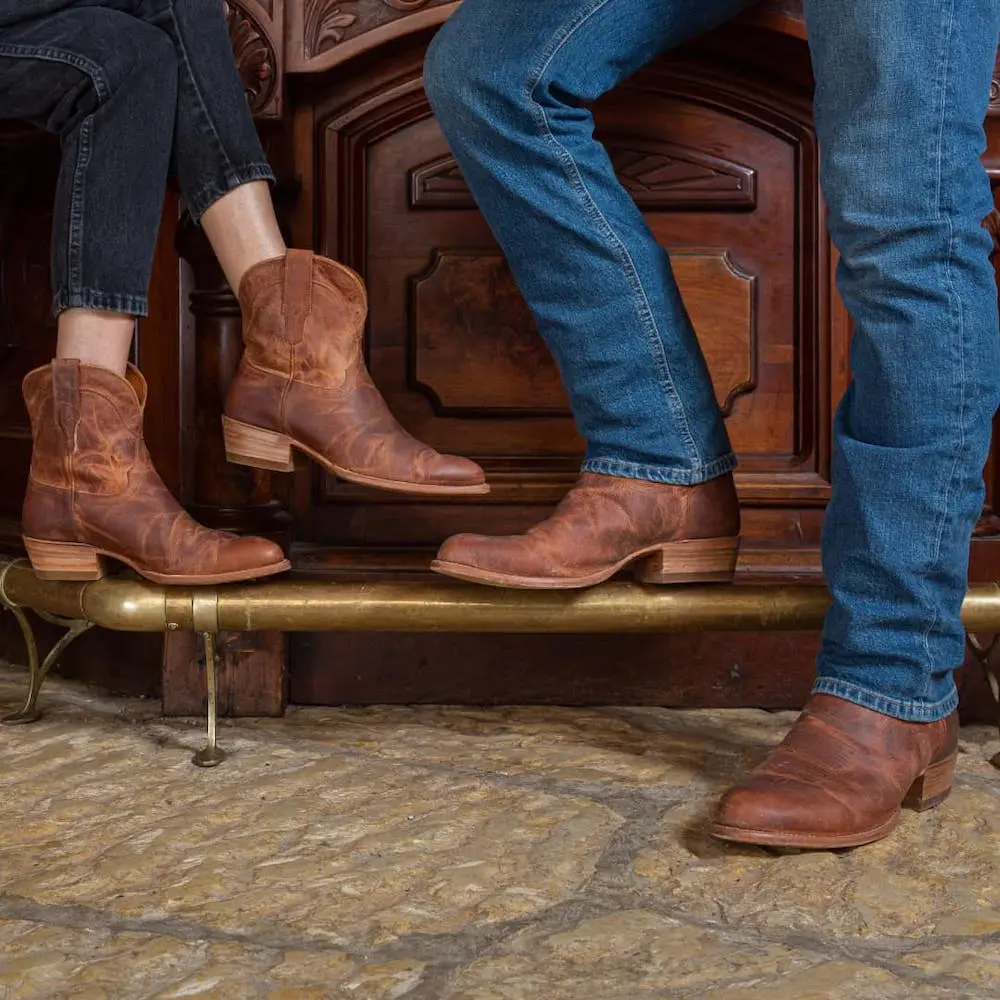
(297, 606)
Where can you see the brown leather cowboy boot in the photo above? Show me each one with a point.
(303, 384)
(674, 534)
(93, 491)
(840, 777)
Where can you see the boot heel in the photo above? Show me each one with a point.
(254, 446)
(932, 787)
(699, 560)
(64, 560)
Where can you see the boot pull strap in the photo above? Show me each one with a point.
(297, 303)
(66, 396)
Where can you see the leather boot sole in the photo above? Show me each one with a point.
(697, 560)
(260, 448)
(927, 792)
(79, 561)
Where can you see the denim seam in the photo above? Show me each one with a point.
(647, 319)
(94, 298)
(48, 54)
(202, 106)
(201, 200)
(660, 473)
(74, 237)
(948, 266)
(897, 708)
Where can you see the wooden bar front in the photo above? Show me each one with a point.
(714, 142)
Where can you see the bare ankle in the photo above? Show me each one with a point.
(96, 338)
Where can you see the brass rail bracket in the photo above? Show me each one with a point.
(38, 669)
(988, 656)
(211, 755)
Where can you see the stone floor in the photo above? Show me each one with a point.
(459, 854)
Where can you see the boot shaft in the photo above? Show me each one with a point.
(302, 383)
(93, 491)
(86, 425)
(303, 318)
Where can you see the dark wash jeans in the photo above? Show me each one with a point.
(137, 90)
(901, 93)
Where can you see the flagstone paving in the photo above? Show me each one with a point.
(460, 854)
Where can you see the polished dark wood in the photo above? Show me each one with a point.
(715, 143)
(251, 674)
(222, 495)
(681, 670)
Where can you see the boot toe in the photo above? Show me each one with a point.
(782, 813)
(750, 809)
(451, 470)
(251, 556)
(506, 561)
(463, 550)
(481, 554)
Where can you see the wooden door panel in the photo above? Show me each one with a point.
(474, 347)
(727, 186)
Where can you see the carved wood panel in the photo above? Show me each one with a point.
(329, 23)
(475, 349)
(659, 175)
(256, 29)
(323, 33)
(721, 301)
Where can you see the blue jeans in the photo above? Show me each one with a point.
(902, 90)
(137, 90)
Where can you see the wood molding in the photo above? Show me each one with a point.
(326, 33)
(256, 32)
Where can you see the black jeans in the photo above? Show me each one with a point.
(137, 90)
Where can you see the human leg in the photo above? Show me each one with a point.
(243, 230)
(90, 76)
(218, 161)
(302, 383)
(96, 337)
(101, 79)
(510, 86)
(902, 90)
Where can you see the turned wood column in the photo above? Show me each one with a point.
(252, 670)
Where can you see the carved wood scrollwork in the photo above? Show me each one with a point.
(256, 57)
(330, 22)
(326, 25)
(321, 33)
(659, 175)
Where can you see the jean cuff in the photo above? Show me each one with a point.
(662, 474)
(897, 708)
(208, 194)
(91, 298)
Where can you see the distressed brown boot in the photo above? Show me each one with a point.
(673, 534)
(840, 778)
(93, 491)
(303, 384)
